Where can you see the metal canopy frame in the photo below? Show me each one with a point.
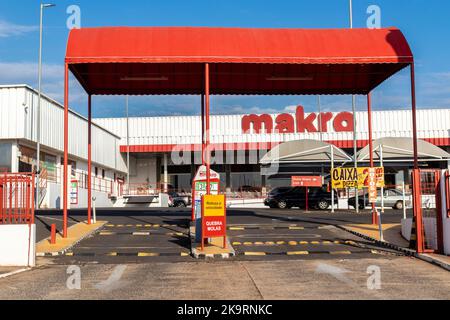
(341, 61)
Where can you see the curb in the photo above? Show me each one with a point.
(6, 275)
(63, 251)
(384, 244)
(406, 251)
(432, 260)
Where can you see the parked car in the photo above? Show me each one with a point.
(179, 200)
(289, 197)
(393, 198)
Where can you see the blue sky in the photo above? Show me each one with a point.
(425, 23)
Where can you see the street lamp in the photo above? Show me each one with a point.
(38, 134)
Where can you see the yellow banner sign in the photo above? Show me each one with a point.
(214, 205)
(342, 178)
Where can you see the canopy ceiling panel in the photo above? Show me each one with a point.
(169, 60)
(304, 151)
(393, 148)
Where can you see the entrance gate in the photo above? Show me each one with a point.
(429, 226)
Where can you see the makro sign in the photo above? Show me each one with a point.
(302, 123)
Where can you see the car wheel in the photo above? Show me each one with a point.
(282, 205)
(323, 205)
(180, 204)
(399, 205)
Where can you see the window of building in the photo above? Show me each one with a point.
(5, 157)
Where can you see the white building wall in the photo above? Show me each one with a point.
(18, 109)
(432, 123)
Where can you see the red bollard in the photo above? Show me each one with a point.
(53, 234)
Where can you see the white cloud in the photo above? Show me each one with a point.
(52, 79)
(8, 29)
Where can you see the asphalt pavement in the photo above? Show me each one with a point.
(161, 235)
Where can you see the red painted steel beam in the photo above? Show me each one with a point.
(369, 119)
(414, 116)
(207, 137)
(89, 178)
(66, 147)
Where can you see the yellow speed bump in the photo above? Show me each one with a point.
(236, 228)
(292, 243)
(297, 253)
(295, 228)
(111, 254)
(254, 253)
(236, 243)
(280, 242)
(184, 254)
(340, 252)
(269, 243)
(106, 233)
(248, 243)
(69, 254)
(148, 254)
(315, 242)
(259, 243)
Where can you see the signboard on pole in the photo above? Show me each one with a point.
(74, 192)
(214, 217)
(342, 178)
(372, 185)
(198, 191)
(306, 181)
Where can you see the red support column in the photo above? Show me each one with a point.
(414, 116)
(66, 147)
(207, 137)
(89, 178)
(417, 194)
(203, 128)
(369, 118)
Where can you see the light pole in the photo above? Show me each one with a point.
(355, 148)
(38, 133)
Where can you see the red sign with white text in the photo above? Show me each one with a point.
(214, 227)
(306, 181)
(301, 123)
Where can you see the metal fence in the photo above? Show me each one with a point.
(17, 191)
(428, 212)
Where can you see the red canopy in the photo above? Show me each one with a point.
(170, 60)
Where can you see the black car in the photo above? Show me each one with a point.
(288, 197)
(179, 200)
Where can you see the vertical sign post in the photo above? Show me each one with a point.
(199, 189)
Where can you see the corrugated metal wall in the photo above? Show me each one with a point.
(433, 123)
(18, 109)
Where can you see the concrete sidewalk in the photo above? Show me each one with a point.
(75, 234)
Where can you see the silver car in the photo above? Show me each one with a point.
(393, 198)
